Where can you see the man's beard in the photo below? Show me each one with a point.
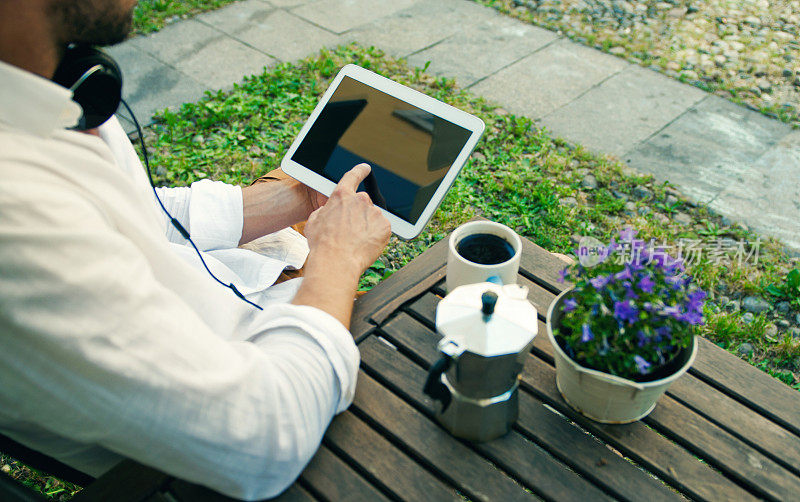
(93, 22)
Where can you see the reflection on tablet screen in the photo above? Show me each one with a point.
(408, 149)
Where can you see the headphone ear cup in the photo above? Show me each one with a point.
(99, 83)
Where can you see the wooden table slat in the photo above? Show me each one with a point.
(533, 465)
(294, 493)
(658, 454)
(383, 462)
(749, 385)
(415, 271)
(723, 451)
(329, 475)
(475, 477)
(571, 445)
(762, 434)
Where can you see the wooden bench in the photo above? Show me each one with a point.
(724, 431)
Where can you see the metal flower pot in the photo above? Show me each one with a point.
(603, 397)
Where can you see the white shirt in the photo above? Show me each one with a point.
(114, 344)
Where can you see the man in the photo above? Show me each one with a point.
(114, 342)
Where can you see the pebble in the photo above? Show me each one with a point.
(782, 307)
(479, 157)
(770, 331)
(671, 200)
(589, 182)
(797, 319)
(755, 304)
(6, 468)
(619, 195)
(617, 51)
(723, 300)
(783, 323)
(641, 192)
(569, 201)
(745, 349)
(764, 85)
(683, 218)
(161, 172)
(644, 210)
(673, 66)
(662, 218)
(794, 332)
(732, 306)
(748, 317)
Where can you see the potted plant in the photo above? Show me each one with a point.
(625, 331)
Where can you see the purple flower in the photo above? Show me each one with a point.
(600, 281)
(562, 276)
(625, 311)
(646, 284)
(570, 304)
(587, 335)
(642, 365)
(629, 293)
(625, 275)
(691, 317)
(696, 300)
(642, 338)
(673, 311)
(664, 332)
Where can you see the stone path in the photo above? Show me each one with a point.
(744, 165)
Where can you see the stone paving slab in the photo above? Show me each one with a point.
(627, 108)
(708, 149)
(419, 26)
(549, 79)
(237, 16)
(492, 43)
(278, 33)
(150, 85)
(339, 16)
(767, 196)
(212, 58)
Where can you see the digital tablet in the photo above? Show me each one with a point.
(415, 144)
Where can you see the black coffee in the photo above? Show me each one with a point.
(486, 249)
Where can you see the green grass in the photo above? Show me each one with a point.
(152, 15)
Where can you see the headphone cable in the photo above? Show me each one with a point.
(175, 223)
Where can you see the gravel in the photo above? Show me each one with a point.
(748, 317)
(782, 307)
(683, 218)
(749, 50)
(745, 349)
(641, 192)
(589, 182)
(755, 304)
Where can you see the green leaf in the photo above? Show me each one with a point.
(793, 279)
(774, 290)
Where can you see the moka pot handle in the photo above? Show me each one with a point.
(434, 386)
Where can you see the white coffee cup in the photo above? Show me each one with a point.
(462, 271)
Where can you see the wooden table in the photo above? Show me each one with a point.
(724, 431)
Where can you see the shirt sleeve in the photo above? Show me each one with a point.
(98, 349)
(212, 212)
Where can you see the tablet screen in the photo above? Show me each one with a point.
(409, 149)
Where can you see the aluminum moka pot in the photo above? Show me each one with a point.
(487, 332)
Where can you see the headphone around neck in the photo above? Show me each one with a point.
(95, 81)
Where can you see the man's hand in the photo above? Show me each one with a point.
(348, 230)
(345, 236)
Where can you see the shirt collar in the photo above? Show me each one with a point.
(34, 104)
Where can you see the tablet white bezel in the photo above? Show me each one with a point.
(400, 227)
